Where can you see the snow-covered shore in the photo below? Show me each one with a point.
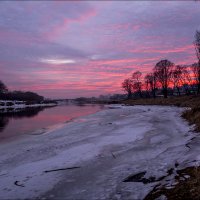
(97, 153)
(21, 104)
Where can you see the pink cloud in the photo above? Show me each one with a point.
(185, 48)
(59, 28)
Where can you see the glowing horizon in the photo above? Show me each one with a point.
(84, 48)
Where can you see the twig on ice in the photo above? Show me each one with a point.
(60, 169)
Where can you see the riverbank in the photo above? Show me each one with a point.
(186, 187)
(182, 101)
(192, 115)
(111, 154)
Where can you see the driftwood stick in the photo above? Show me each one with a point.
(60, 169)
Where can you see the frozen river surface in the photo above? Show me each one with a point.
(117, 153)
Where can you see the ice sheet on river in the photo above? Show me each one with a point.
(107, 148)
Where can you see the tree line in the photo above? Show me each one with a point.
(5, 94)
(167, 77)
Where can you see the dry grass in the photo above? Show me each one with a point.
(193, 116)
(186, 189)
(183, 101)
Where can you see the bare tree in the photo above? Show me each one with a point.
(197, 44)
(127, 85)
(147, 84)
(176, 78)
(137, 82)
(196, 72)
(150, 80)
(186, 79)
(196, 67)
(3, 87)
(163, 73)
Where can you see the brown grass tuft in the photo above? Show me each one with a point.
(186, 189)
(193, 116)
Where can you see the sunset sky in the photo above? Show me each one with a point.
(65, 49)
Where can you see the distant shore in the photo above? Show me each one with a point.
(23, 104)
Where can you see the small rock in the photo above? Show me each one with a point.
(186, 176)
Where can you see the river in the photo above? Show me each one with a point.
(25, 121)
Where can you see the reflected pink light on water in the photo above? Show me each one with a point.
(45, 118)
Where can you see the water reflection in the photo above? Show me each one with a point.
(11, 113)
(3, 122)
(15, 122)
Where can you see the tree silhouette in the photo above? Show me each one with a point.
(197, 44)
(186, 80)
(127, 85)
(163, 73)
(150, 80)
(196, 66)
(137, 83)
(196, 72)
(176, 77)
(3, 87)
